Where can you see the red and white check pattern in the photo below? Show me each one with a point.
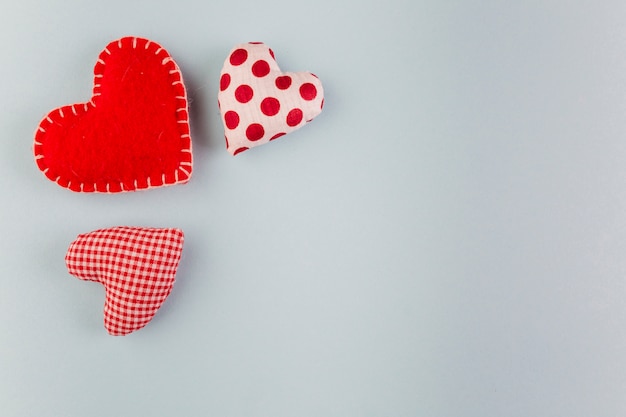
(137, 267)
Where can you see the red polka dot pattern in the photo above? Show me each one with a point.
(255, 132)
(259, 103)
(276, 136)
(238, 56)
(244, 93)
(294, 117)
(224, 81)
(231, 119)
(308, 91)
(270, 106)
(283, 82)
(260, 68)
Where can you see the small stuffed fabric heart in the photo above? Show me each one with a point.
(259, 103)
(137, 267)
(134, 132)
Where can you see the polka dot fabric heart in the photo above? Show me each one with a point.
(259, 103)
(137, 267)
(134, 132)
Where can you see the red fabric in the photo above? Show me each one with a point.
(133, 133)
(137, 267)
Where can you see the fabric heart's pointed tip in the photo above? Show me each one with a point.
(237, 151)
(114, 331)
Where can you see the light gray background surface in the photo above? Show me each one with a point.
(447, 238)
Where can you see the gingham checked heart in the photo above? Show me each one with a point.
(259, 103)
(137, 267)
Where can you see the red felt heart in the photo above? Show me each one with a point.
(137, 267)
(134, 132)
